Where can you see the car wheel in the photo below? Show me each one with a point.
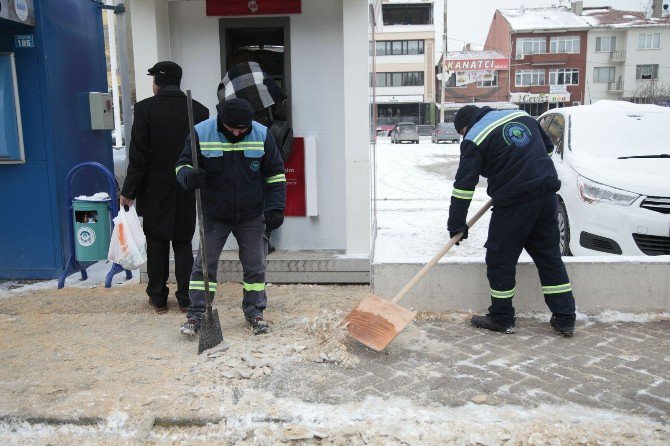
(563, 229)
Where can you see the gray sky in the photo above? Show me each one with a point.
(469, 20)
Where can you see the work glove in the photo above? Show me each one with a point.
(464, 230)
(273, 219)
(195, 179)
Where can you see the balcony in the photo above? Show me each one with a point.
(618, 56)
(615, 86)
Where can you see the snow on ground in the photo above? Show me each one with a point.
(414, 184)
(97, 273)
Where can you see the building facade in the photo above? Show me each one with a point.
(404, 62)
(474, 77)
(547, 52)
(318, 51)
(627, 55)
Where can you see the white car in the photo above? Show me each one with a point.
(613, 160)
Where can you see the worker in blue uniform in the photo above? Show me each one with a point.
(511, 150)
(243, 185)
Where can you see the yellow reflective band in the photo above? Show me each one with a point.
(230, 149)
(200, 285)
(183, 165)
(462, 194)
(502, 294)
(557, 289)
(276, 178)
(253, 286)
(484, 133)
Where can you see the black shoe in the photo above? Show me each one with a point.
(564, 330)
(258, 325)
(190, 327)
(488, 323)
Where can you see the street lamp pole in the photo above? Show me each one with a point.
(443, 80)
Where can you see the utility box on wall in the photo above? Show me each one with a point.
(102, 113)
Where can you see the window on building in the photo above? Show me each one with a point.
(606, 44)
(564, 76)
(649, 41)
(406, 79)
(524, 78)
(603, 74)
(407, 14)
(646, 72)
(399, 47)
(531, 45)
(489, 83)
(534, 109)
(564, 44)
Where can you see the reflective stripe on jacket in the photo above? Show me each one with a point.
(243, 179)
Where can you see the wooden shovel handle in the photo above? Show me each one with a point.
(440, 254)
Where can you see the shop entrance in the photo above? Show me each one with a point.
(267, 38)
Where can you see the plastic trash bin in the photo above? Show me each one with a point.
(92, 229)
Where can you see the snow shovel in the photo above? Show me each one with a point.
(375, 322)
(210, 330)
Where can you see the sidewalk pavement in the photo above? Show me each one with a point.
(98, 366)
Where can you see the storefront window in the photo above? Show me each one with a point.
(407, 14)
(489, 83)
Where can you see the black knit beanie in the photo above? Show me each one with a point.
(236, 113)
(465, 116)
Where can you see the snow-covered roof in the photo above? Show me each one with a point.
(532, 19)
(614, 18)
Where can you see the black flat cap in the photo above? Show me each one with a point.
(166, 73)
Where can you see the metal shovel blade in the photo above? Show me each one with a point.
(375, 322)
(210, 333)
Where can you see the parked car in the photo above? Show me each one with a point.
(405, 131)
(613, 160)
(446, 132)
(425, 129)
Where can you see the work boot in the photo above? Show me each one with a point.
(160, 309)
(565, 330)
(258, 325)
(488, 323)
(190, 327)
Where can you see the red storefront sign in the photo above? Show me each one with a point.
(477, 64)
(252, 7)
(296, 203)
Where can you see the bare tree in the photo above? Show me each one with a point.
(653, 91)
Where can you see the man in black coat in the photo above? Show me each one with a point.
(160, 127)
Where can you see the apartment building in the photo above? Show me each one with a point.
(403, 54)
(628, 55)
(547, 52)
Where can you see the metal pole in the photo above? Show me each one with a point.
(444, 64)
(111, 30)
(124, 69)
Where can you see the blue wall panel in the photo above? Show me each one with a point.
(68, 61)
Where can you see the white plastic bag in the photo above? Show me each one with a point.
(128, 246)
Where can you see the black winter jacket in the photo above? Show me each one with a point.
(511, 150)
(160, 127)
(243, 179)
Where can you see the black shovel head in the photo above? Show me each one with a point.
(210, 333)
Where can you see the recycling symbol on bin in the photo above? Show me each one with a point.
(85, 236)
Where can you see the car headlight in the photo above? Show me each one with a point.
(591, 192)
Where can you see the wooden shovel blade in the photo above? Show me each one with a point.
(375, 322)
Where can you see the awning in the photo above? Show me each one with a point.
(493, 105)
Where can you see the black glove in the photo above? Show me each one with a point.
(195, 179)
(452, 234)
(273, 219)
